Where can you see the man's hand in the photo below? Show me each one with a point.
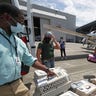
(53, 37)
(42, 67)
(49, 72)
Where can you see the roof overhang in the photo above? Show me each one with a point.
(42, 12)
(87, 28)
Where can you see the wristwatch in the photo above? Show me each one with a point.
(47, 70)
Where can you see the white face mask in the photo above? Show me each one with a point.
(17, 29)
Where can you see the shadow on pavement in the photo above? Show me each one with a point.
(72, 57)
(89, 52)
(87, 48)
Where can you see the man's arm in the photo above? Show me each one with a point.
(42, 67)
(38, 54)
(57, 45)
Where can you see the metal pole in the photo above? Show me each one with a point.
(30, 25)
(16, 3)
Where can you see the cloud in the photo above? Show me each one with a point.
(86, 13)
(45, 3)
(67, 2)
(83, 11)
(69, 6)
(85, 16)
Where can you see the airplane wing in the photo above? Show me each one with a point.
(55, 28)
(59, 29)
(94, 43)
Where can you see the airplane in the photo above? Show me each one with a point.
(90, 38)
(93, 33)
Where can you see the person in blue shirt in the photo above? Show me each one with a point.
(13, 51)
(62, 48)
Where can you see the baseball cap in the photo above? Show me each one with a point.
(48, 34)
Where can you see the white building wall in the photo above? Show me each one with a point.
(68, 23)
(43, 30)
(59, 23)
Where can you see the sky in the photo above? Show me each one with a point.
(85, 10)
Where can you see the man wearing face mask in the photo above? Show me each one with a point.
(45, 50)
(13, 51)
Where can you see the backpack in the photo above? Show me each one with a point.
(24, 69)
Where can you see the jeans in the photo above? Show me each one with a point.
(49, 63)
(63, 53)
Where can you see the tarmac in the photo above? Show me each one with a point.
(75, 64)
